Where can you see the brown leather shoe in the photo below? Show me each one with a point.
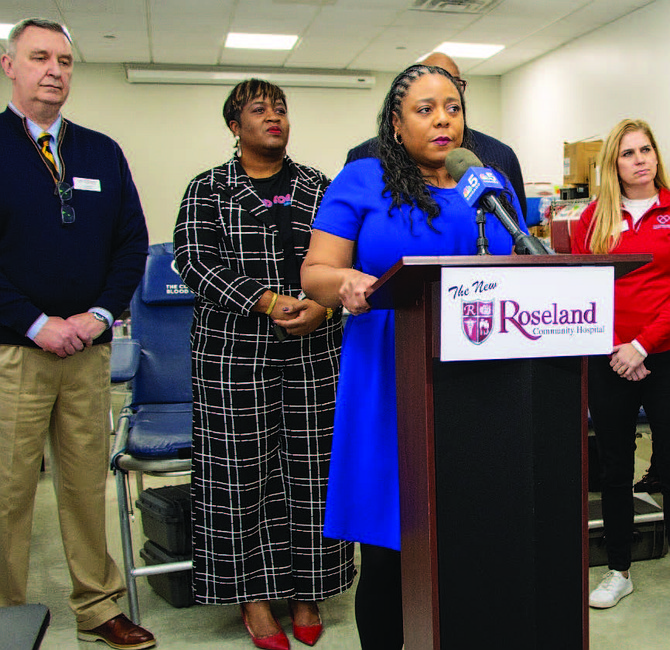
(119, 632)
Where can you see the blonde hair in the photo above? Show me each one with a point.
(606, 223)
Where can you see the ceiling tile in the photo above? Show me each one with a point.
(11, 11)
(269, 58)
(268, 17)
(548, 10)
(428, 20)
(178, 15)
(503, 30)
(338, 51)
(193, 50)
(335, 20)
(503, 62)
(118, 33)
(592, 16)
(388, 5)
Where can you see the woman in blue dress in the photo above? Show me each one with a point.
(375, 212)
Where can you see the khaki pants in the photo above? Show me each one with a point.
(68, 400)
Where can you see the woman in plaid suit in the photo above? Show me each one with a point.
(265, 366)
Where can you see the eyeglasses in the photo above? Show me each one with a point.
(64, 192)
(461, 83)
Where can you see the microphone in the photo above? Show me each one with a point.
(478, 184)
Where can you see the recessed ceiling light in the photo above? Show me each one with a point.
(5, 28)
(469, 50)
(260, 41)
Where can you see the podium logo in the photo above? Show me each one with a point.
(477, 320)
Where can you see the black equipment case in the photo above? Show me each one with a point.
(174, 587)
(166, 521)
(166, 517)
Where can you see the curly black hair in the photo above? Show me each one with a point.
(403, 180)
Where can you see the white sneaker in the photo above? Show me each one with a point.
(613, 587)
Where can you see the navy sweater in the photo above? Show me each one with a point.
(62, 270)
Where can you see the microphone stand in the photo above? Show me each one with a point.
(523, 244)
(531, 245)
(482, 241)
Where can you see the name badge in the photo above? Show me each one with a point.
(89, 184)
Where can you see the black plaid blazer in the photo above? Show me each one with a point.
(227, 248)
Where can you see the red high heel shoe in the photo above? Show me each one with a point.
(307, 634)
(278, 641)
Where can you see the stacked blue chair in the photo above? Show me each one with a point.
(153, 434)
(125, 359)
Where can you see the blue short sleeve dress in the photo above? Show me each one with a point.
(363, 501)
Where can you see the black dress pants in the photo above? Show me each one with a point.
(614, 404)
(379, 599)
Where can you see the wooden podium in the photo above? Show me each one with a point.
(493, 477)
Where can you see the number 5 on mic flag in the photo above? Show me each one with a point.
(475, 182)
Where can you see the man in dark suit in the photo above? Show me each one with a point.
(490, 150)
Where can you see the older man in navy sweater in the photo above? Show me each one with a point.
(73, 243)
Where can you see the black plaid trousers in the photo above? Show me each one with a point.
(262, 409)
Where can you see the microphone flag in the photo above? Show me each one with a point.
(477, 181)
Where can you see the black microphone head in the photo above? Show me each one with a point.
(458, 161)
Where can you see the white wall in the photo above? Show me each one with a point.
(171, 133)
(585, 88)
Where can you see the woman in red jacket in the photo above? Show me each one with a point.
(630, 215)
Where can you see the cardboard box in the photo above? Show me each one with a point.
(576, 159)
(594, 177)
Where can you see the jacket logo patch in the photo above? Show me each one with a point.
(662, 222)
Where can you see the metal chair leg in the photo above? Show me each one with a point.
(127, 545)
(139, 482)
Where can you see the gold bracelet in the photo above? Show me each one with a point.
(329, 313)
(273, 302)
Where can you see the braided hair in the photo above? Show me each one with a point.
(403, 180)
(247, 90)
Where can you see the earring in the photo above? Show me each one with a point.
(397, 139)
(237, 150)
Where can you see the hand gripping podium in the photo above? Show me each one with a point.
(493, 473)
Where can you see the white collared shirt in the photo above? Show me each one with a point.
(36, 131)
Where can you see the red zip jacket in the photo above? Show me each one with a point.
(642, 297)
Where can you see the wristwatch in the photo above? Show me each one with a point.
(329, 312)
(99, 317)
